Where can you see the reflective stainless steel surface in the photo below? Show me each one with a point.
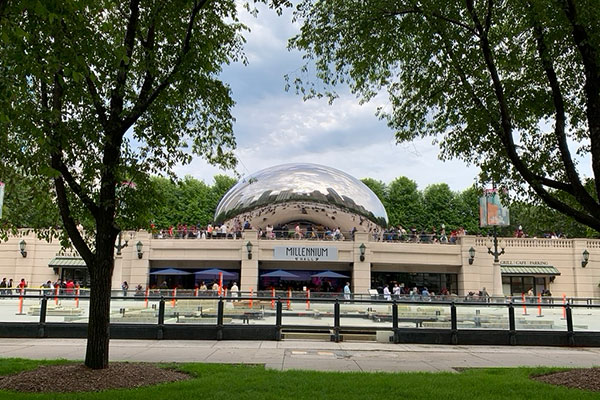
(302, 192)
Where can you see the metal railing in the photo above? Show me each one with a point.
(337, 316)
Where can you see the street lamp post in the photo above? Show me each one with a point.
(495, 253)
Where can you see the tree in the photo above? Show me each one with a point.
(96, 95)
(467, 209)
(222, 184)
(404, 203)
(510, 86)
(439, 204)
(377, 187)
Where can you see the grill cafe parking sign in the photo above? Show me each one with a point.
(305, 253)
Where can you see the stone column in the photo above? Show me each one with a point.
(249, 266)
(361, 274)
(497, 281)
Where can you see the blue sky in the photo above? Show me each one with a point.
(275, 127)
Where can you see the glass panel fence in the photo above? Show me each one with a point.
(191, 310)
(134, 310)
(248, 310)
(368, 314)
(586, 319)
(482, 316)
(531, 315)
(437, 316)
(17, 309)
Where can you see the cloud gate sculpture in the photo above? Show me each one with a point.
(305, 193)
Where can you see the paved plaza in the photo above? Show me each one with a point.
(312, 355)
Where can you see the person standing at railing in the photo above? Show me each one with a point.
(22, 285)
(396, 291)
(234, 290)
(3, 286)
(484, 295)
(531, 295)
(125, 288)
(347, 293)
(386, 293)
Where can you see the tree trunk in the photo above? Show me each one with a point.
(98, 336)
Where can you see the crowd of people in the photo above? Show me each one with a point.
(210, 231)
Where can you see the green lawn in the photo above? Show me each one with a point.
(239, 382)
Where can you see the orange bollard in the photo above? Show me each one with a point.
(173, 300)
(20, 303)
(77, 297)
(524, 305)
(146, 297)
(273, 298)
(540, 305)
(220, 283)
(288, 300)
(308, 299)
(251, 302)
(564, 308)
(56, 294)
(196, 292)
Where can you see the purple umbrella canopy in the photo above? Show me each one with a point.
(280, 274)
(170, 272)
(328, 274)
(213, 273)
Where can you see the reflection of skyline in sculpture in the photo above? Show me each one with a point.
(302, 192)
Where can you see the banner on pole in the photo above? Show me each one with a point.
(1, 197)
(491, 210)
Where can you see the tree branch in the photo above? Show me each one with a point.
(478, 103)
(149, 76)
(418, 10)
(578, 190)
(69, 223)
(142, 104)
(58, 164)
(589, 57)
(506, 132)
(118, 94)
(488, 16)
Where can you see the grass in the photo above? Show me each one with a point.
(240, 382)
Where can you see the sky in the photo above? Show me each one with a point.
(276, 127)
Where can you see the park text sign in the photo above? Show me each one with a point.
(522, 262)
(305, 253)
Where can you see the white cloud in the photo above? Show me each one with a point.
(275, 127)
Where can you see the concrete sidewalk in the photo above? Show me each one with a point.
(326, 356)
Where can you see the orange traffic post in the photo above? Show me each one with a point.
(251, 302)
(56, 289)
(220, 283)
(173, 300)
(146, 297)
(77, 297)
(288, 300)
(540, 305)
(196, 292)
(308, 299)
(273, 298)
(20, 303)
(564, 308)
(524, 304)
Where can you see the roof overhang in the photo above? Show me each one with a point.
(522, 270)
(67, 262)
